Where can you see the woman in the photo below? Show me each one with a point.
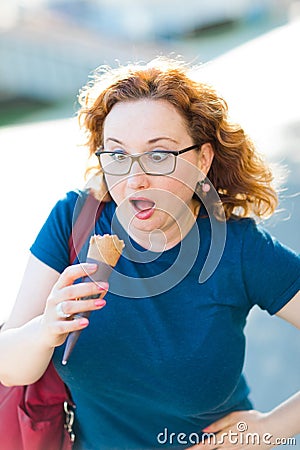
(161, 363)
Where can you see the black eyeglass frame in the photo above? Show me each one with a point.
(137, 158)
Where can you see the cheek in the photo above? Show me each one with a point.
(173, 196)
(183, 184)
(116, 187)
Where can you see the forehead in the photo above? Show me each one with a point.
(144, 116)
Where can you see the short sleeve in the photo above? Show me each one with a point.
(51, 245)
(271, 271)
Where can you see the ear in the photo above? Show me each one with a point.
(206, 156)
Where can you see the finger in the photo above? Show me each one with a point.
(72, 308)
(80, 290)
(204, 446)
(64, 327)
(222, 423)
(72, 273)
(212, 442)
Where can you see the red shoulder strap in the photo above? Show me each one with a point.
(88, 216)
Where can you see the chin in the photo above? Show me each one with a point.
(143, 225)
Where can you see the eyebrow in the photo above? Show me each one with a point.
(151, 141)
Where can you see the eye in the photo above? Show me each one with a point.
(118, 156)
(157, 156)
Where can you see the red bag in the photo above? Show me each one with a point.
(40, 416)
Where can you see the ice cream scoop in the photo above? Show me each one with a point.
(104, 251)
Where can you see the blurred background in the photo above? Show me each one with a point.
(248, 49)
(48, 47)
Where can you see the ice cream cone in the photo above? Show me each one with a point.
(105, 251)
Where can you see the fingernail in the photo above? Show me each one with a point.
(206, 429)
(100, 302)
(83, 322)
(101, 287)
(91, 266)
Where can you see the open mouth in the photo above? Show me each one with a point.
(143, 206)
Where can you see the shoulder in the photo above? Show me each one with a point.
(69, 199)
(65, 205)
(235, 227)
(235, 232)
(69, 206)
(258, 235)
(247, 230)
(240, 226)
(256, 241)
(51, 244)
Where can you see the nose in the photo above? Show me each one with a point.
(137, 178)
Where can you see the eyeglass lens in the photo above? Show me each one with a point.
(158, 163)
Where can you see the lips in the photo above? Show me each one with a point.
(144, 207)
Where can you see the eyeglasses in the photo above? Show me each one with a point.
(156, 162)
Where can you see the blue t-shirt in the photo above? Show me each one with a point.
(166, 353)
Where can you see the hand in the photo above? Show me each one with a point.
(62, 304)
(238, 430)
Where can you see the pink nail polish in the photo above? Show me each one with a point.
(100, 302)
(100, 287)
(91, 266)
(83, 322)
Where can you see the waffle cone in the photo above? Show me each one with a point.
(106, 248)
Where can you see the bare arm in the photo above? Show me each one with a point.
(269, 429)
(291, 311)
(284, 419)
(33, 330)
(35, 288)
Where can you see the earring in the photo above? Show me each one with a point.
(205, 187)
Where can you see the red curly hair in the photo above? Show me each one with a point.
(240, 176)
